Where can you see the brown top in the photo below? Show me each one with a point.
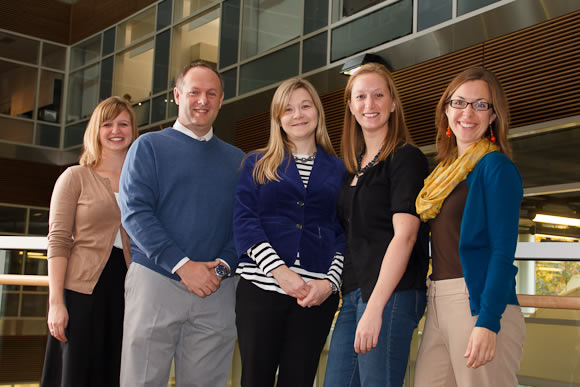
(445, 230)
(83, 221)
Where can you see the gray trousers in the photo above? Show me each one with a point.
(164, 321)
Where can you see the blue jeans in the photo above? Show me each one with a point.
(384, 365)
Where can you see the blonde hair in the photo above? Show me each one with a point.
(352, 137)
(266, 169)
(107, 110)
(447, 146)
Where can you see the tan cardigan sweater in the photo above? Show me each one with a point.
(83, 221)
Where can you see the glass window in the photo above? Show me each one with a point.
(158, 108)
(373, 29)
(50, 96)
(136, 28)
(161, 66)
(9, 304)
(14, 130)
(345, 8)
(35, 264)
(185, 8)
(315, 15)
(172, 108)
(34, 305)
(465, 6)
(106, 87)
(134, 72)
(18, 89)
(47, 135)
(193, 40)
(163, 14)
(53, 56)
(268, 24)
(17, 48)
(142, 113)
(433, 12)
(73, 134)
(85, 52)
(83, 92)
(270, 69)
(230, 83)
(38, 221)
(12, 219)
(230, 28)
(12, 260)
(314, 52)
(109, 41)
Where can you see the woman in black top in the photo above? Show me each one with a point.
(386, 257)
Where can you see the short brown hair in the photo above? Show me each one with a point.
(198, 63)
(447, 146)
(105, 111)
(352, 137)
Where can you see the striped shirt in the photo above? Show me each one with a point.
(266, 259)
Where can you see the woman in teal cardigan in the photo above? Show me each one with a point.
(474, 329)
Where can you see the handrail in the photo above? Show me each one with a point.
(525, 300)
(549, 302)
(26, 280)
(524, 251)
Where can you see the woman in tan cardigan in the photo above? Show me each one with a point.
(88, 255)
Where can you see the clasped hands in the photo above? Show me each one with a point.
(200, 277)
(307, 294)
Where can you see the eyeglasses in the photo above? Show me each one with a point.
(478, 106)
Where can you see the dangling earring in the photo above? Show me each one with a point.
(491, 136)
(448, 133)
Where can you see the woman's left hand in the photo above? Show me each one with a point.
(367, 331)
(481, 347)
(318, 292)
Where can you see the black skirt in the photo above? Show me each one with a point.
(92, 354)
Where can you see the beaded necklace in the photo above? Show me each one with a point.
(304, 159)
(361, 171)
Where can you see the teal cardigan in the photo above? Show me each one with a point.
(488, 239)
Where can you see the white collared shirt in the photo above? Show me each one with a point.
(181, 128)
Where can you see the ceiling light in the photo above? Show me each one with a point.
(542, 218)
(555, 237)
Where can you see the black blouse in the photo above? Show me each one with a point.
(366, 212)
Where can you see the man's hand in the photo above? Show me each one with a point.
(200, 277)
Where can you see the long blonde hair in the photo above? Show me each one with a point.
(105, 111)
(266, 169)
(352, 137)
(447, 146)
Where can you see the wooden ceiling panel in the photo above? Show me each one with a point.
(537, 66)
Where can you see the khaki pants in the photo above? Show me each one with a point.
(448, 326)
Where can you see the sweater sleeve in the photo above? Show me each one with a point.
(503, 194)
(63, 205)
(139, 194)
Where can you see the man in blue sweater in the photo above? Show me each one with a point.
(176, 198)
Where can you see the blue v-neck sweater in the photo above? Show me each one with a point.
(176, 199)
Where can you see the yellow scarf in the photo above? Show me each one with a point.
(445, 177)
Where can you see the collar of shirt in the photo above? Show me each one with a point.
(179, 127)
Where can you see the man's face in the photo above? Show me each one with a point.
(199, 97)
